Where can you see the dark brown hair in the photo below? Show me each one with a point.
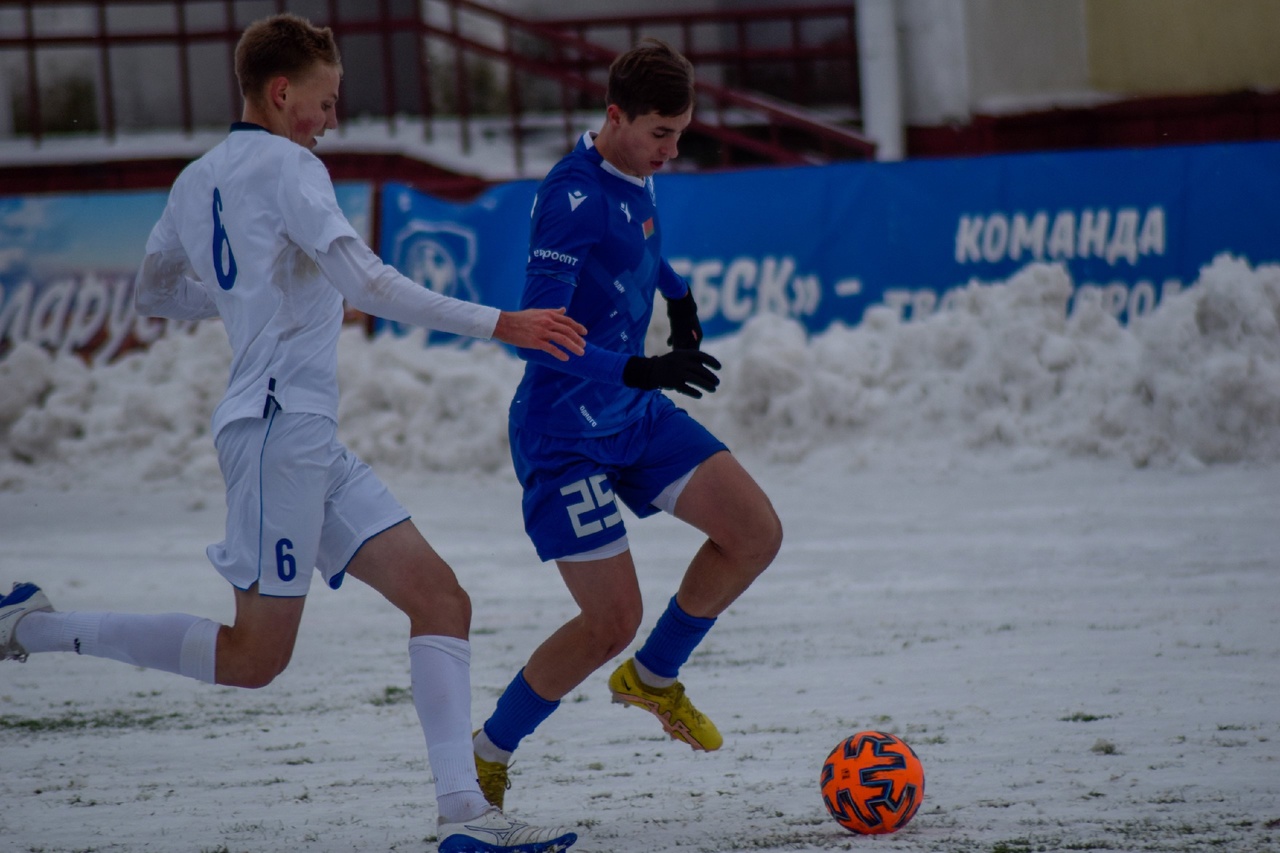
(282, 45)
(651, 77)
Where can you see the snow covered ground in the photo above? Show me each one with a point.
(1041, 547)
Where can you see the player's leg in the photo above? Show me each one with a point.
(688, 473)
(572, 518)
(610, 608)
(649, 679)
(171, 642)
(743, 531)
(271, 499)
(607, 593)
(258, 646)
(368, 535)
(249, 653)
(401, 565)
(743, 536)
(277, 471)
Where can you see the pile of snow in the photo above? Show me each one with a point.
(1007, 368)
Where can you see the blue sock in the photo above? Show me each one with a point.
(519, 712)
(673, 639)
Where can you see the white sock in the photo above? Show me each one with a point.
(649, 677)
(440, 675)
(488, 750)
(40, 631)
(198, 659)
(170, 642)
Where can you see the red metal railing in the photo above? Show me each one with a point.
(806, 55)
(439, 59)
(580, 67)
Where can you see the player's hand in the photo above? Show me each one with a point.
(686, 331)
(683, 370)
(546, 329)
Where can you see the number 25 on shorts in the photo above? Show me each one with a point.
(595, 497)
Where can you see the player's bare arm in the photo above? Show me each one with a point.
(548, 329)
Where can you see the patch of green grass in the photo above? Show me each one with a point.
(77, 721)
(392, 695)
(1014, 845)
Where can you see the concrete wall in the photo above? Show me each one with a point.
(967, 56)
(962, 57)
(1024, 51)
(1137, 47)
(937, 87)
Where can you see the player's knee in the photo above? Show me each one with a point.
(616, 646)
(613, 631)
(439, 610)
(258, 679)
(253, 673)
(454, 600)
(769, 537)
(758, 539)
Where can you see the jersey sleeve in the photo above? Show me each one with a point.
(312, 216)
(670, 283)
(568, 221)
(375, 288)
(166, 285)
(164, 236)
(595, 362)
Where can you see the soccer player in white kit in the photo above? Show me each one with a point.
(252, 233)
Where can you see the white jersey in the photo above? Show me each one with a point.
(248, 234)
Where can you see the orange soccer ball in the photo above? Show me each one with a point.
(872, 783)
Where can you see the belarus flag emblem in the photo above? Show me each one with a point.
(647, 227)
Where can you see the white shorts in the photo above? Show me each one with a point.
(297, 500)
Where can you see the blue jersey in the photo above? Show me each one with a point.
(596, 247)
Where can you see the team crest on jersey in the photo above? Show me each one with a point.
(576, 198)
(647, 227)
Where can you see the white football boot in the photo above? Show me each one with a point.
(494, 832)
(24, 598)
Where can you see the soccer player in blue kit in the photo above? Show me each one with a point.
(596, 429)
(252, 234)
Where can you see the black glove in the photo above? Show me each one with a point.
(680, 370)
(686, 331)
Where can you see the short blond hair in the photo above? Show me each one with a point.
(281, 46)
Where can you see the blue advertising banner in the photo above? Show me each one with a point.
(475, 252)
(67, 264)
(824, 244)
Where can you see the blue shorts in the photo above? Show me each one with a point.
(570, 483)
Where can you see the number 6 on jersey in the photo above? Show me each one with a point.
(227, 275)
